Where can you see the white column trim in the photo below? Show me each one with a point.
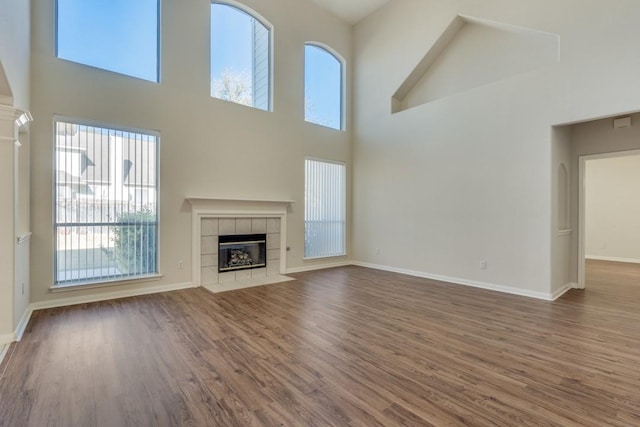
(11, 120)
(9, 113)
(18, 117)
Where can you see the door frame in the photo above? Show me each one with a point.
(581, 204)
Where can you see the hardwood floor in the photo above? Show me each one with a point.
(345, 346)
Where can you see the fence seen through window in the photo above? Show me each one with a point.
(105, 204)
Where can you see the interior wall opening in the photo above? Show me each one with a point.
(573, 145)
(609, 212)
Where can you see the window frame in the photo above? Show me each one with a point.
(343, 89)
(343, 213)
(158, 46)
(104, 281)
(270, 28)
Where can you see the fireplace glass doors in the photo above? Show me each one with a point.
(241, 252)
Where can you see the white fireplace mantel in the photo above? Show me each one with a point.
(199, 200)
(218, 207)
(209, 206)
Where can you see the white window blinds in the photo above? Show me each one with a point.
(105, 204)
(325, 207)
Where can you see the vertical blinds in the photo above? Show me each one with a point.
(260, 65)
(324, 202)
(106, 222)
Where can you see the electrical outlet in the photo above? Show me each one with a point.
(180, 264)
(483, 265)
(377, 251)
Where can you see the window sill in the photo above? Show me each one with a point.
(340, 129)
(324, 257)
(104, 284)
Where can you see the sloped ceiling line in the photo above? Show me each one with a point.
(472, 52)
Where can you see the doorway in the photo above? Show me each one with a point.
(608, 211)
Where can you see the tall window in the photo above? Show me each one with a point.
(105, 204)
(323, 87)
(240, 57)
(324, 209)
(115, 35)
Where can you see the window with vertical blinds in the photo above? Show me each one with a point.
(324, 209)
(105, 204)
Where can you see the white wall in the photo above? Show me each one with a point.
(208, 147)
(14, 93)
(14, 49)
(612, 209)
(7, 220)
(462, 66)
(468, 177)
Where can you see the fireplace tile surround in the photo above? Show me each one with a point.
(212, 228)
(214, 217)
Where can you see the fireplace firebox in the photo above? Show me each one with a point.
(242, 252)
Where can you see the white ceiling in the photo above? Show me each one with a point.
(351, 11)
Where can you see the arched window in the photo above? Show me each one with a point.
(240, 56)
(323, 87)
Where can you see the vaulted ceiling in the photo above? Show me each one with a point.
(351, 11)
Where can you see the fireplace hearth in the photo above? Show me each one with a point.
(242, 252)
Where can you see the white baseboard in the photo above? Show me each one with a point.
(17, 334)
(3, 352)
(63, 302)
(7, 339)
(614, 259)
(24, 321)
(459, 281)
(563, 290)
(106, 296)
(318, 267)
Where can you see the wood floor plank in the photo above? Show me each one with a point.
(345, 347)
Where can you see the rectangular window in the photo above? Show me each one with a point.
(105, 204)
(324, 209)
(116, 35)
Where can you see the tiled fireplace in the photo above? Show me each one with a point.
(213, 228)
(231, 221)
(242, 252)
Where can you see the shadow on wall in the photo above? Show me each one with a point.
(474, 52)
